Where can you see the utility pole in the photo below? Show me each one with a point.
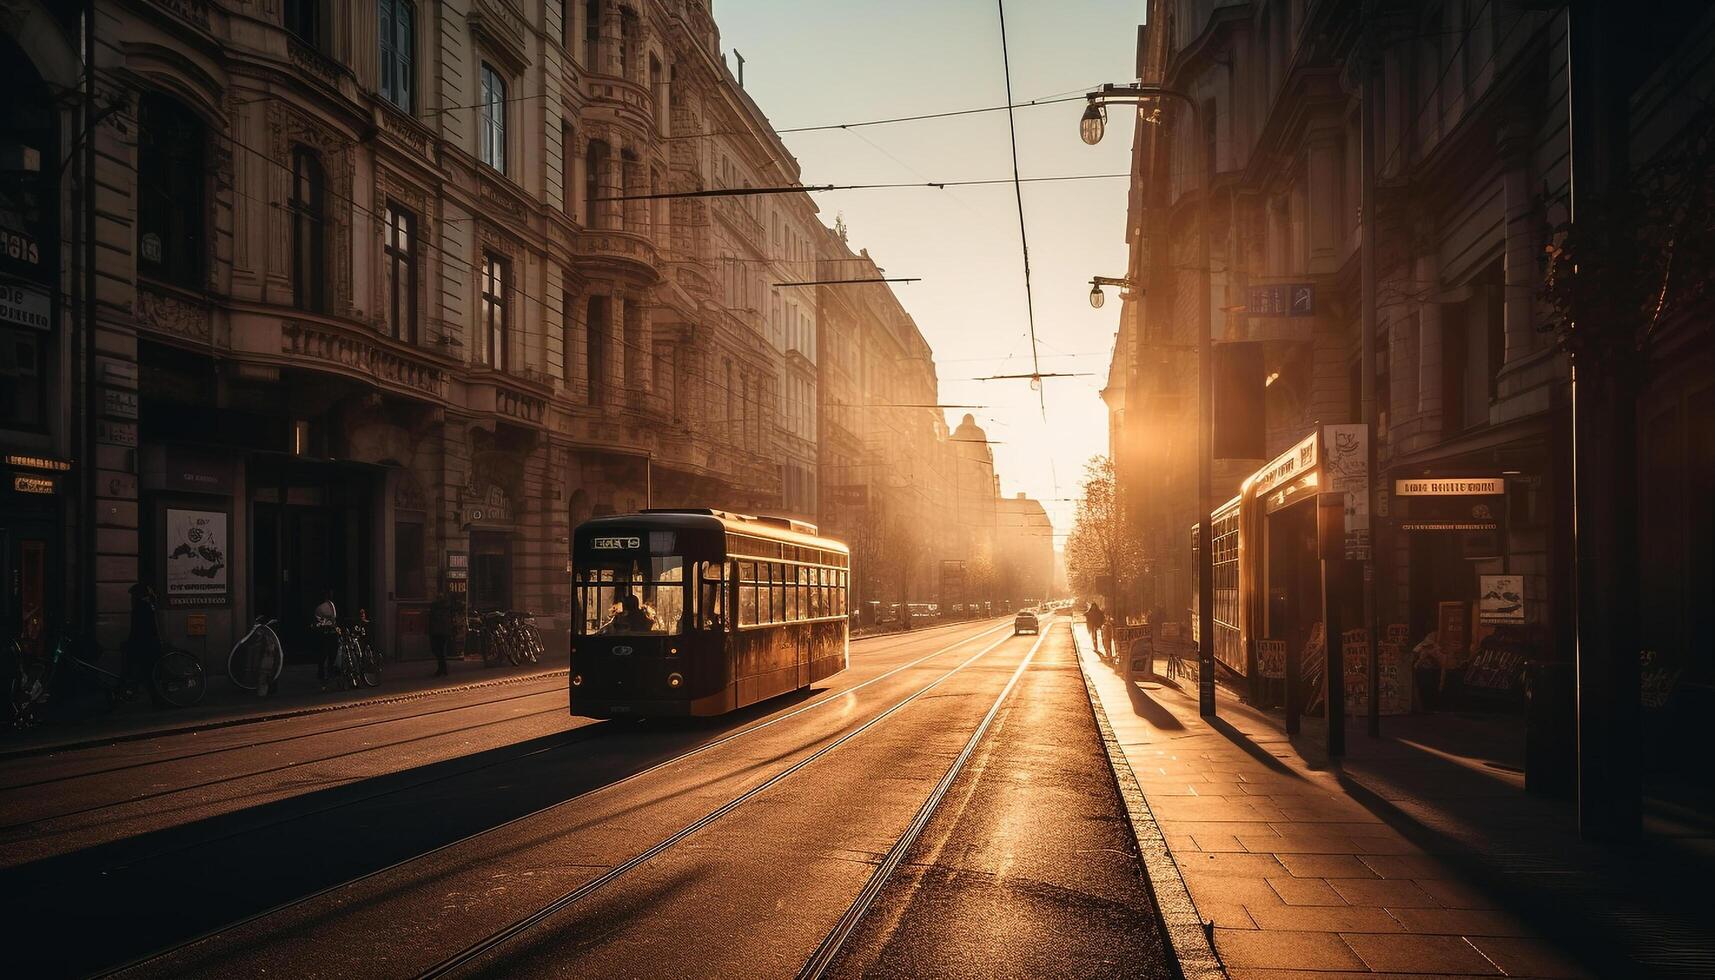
(1367, 357)
(1205, 438)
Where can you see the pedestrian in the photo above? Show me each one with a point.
(1096, 621)
(143, 644)
(440, 630)
(326, 624)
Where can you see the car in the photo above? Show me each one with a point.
(1025, 622)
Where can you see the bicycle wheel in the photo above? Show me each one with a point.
(243, 661)
(514, 649)
(28, 689)
(178, 678)
(351, 659)
(370, 662)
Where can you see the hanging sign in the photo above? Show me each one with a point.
(25, 306)
(1346, 466)
(1451, 487)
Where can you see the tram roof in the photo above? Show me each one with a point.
(783, 529)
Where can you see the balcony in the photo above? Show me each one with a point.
(618, 253)
(514, 398)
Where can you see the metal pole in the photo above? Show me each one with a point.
(1367, 386)
(1205, 440)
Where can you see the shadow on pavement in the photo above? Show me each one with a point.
(164, 887)
(1251, 748)
(1150, 710)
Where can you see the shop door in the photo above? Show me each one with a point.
(301, 551)
(24, 561)
(490, 570)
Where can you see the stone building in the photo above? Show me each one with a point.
(382, 307)
(1024, 551)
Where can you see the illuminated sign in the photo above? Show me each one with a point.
(616, 544)
(1286, 466)
(38, 463)
(1478, 486)
(33, 484)
(25, 306)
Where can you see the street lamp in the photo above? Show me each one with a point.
(1090, 129)
(1096, 284)
(1094, 123)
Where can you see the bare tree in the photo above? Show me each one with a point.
(1102, 553)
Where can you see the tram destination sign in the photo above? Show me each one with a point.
(616, 544)
(1451, 487)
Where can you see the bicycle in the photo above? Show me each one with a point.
(529, 637)
(367, 660)
(257, 658)
(175, 678)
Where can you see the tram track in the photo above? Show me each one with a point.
(495, 940)
(828, 951)
(142, 964)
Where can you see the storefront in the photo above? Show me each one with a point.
(32, 547)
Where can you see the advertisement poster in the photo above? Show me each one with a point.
(1271, 658)
(1501, 599)
(196, 556)
(1347, 470)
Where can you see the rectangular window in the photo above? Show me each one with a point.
(493, 324)
(632, 598)
(397, 28)
(595, 163)
(170, 182)
(492, 122)
(304, 19)
(309, 232)
(568, 171)
(592, 33)
(401, 274)
(595, 348)
(747, 608)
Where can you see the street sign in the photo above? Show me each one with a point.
(1451, 487)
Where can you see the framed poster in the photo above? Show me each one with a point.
(1501, 599)
(197, 560)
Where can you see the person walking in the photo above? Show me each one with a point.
(1096, 620)
(440, 630)
(326, 624)
(143, 644)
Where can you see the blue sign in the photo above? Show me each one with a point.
(1282, 299)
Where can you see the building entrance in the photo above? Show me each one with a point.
(490, 570)
(310, 525)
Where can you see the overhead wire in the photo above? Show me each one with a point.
(1018, 195)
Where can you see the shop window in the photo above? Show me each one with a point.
(309, 231)
(409, 579)
(595, 163)
(171, 241)
(398, 19)
(492, 120)
(494, 340)
(23, 382)
(401, 273)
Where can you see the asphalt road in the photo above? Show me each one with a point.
(486, 832)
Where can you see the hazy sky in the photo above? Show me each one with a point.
(812, 62)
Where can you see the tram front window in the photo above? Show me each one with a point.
(642, 597)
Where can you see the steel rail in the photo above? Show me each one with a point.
(593, 730)
(503, 936)
(829, 949)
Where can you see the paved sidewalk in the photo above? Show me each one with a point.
(226, 704)
(1295, 874)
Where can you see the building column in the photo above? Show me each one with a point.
(1429, 346)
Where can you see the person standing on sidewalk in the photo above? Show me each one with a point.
(440, 630)
(326, 624)
(143, 644)
(1096, 620)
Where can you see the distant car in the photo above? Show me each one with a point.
(1025, 622)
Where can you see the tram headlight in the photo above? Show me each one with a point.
(675, 680)
(577, 680)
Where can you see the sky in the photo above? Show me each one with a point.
(816, 62)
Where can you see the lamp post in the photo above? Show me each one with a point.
(1091, 128)
(1096, 284)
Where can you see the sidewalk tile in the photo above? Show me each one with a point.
(1383, 892)
(1300, 842)
(1455, 895)
(1236, 865)
(1227, 915)
(1285, 950)
(1249, 892)
(1252, 974)
(1460, 922)
(1405, 866)
(1435, 954)
(1527, 957)
(1220, 842)
(1326, 866)
(1308, 918)
(1305, 891)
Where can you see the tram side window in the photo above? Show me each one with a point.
(711, 604)
(794, 594)
(777, 591)
(747, 611)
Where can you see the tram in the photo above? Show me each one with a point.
(700, 612)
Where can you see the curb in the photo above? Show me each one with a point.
(1181, 925)
(216, 724)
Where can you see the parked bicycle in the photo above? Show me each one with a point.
(506, 637)
(258, 659)
(176, 678)
(361, 662)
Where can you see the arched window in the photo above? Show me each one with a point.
(492, 122)
(398, 21)
(171, 224)
(308, 207)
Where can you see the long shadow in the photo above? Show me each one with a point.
(1621, 912)
(1150, 710)
(1252, 749)
(164, 887)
